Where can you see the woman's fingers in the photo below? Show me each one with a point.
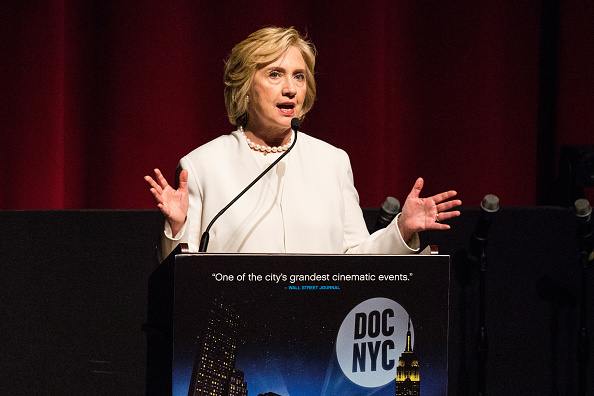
(160, 183)
(183, 180)
(161, 179)
(442, 207)
(444, 196)
(153, 184)
(157, 195)
(416, 190)
(443, 216)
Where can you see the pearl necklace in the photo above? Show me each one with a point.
(262, 148)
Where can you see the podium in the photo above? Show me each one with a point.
(310, 324)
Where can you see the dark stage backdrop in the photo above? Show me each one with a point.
(475, 96)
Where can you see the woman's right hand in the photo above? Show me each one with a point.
(172, 203)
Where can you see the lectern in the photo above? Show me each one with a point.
(310, 324)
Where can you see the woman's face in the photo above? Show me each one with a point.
(277, 93)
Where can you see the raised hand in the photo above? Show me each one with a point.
(172, 203)
(420, 214)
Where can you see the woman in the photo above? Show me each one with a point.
(307, 203)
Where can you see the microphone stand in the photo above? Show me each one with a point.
(482, 345)
(583, 211)
(478, 253)
(583, 342)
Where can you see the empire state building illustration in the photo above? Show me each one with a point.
(407, 374)
(214, 372)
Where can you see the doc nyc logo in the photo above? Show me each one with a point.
(370, 340)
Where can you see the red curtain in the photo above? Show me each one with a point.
(95, 94)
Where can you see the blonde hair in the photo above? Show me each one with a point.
(262, 47)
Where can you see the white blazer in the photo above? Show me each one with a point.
(306, 204)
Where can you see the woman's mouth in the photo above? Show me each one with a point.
(286, 108)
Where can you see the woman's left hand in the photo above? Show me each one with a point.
(420, 214)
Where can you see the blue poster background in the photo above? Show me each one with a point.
(289, 326)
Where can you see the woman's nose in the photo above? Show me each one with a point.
(289, 88)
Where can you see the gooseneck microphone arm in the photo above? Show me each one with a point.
(295, 124)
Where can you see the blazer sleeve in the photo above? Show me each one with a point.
(356, 237)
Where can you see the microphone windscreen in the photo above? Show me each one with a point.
(582, 208)
(391, 205)
(490, 203)
(295, 124)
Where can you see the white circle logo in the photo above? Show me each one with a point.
(369, 341)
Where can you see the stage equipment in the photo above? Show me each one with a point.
(390, 209)
(477, 253)
(583, 212)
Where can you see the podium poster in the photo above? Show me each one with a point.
(304, 325)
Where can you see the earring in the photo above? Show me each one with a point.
(247, 97)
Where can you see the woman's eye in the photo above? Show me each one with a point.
(300, 77)
(274, 74)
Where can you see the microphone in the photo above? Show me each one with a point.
(583, 212)
(295, 124)
(478, 243)
(390, 208)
